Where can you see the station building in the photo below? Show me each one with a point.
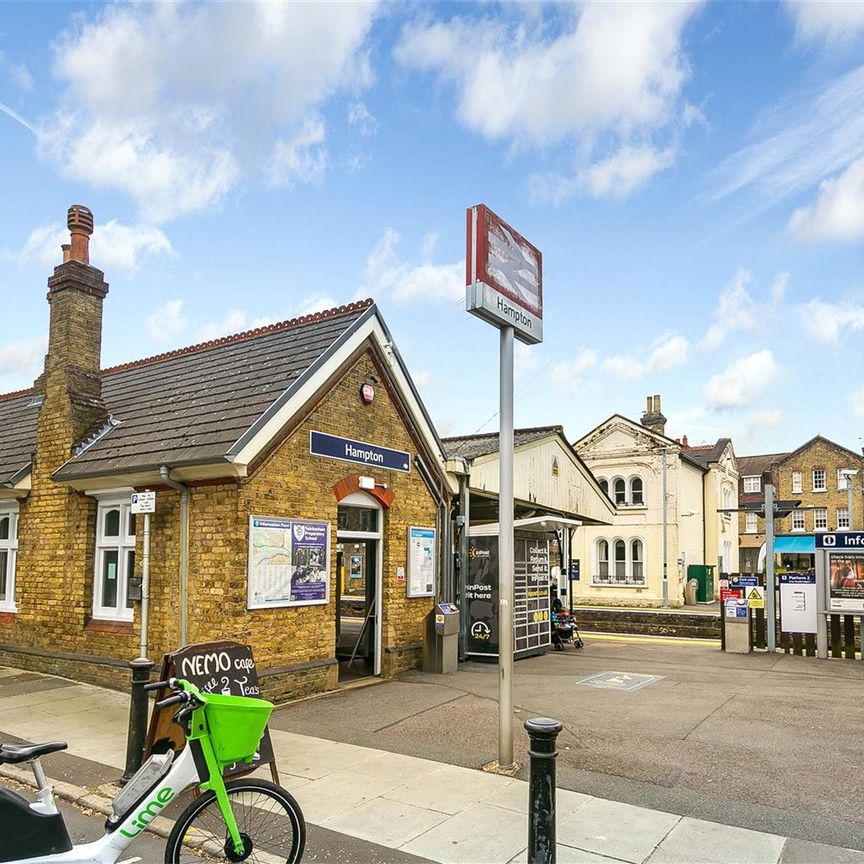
(302, 497)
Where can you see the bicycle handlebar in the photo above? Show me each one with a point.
(157, 685)
(176, 699)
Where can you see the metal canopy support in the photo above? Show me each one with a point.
(770, 612)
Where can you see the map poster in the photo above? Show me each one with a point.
(289, 562)
(421, 562)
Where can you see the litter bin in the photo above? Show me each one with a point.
(690, 591)
(704, 576)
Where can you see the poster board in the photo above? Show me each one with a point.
(213, 667)
(846, 581)
(421, 561)
(289, 562)
(798, 612)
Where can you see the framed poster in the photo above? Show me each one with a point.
(421, 562)
(846, 581)
(289, 562)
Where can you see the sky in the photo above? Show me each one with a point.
(693, 175)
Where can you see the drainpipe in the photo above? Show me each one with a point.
(165, 475)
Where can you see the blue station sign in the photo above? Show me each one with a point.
(361, 452)
(840, 540)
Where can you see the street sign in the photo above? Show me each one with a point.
(739, 581)
(756, 597)
(143, 502)
(348, 450)
(504, 276)
(574, 571)
(840, 540)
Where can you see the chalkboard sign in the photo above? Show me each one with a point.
(226, 668)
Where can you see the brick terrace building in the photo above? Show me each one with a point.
(222, 432)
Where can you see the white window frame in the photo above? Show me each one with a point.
(821, 474)
(799, 520)
(7, 604)
(631, 497)
(751, 523)
(749, 484)
(796, 482)
(611, 579)
(817, 517)
(123, 544)
(613, 486)
(842, 518)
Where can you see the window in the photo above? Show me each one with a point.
(842, 480)
(798, 520)
(115, 560)
(636, 561)
(620, 492)
(726, 497)
(796, 481)
(753, 483)
(8, 554)
(820, 519)
(620, 560)
(819, 480)
(842, 518)
(604, 485)
(636, 491)
(751, 525)
(603, 559)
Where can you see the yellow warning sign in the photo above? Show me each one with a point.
(756, 597)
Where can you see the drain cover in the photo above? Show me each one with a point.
(619, 681)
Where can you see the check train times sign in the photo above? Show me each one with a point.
(504, 276)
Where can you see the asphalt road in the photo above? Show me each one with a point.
(770, 743)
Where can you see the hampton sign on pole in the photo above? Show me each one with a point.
(504, 287)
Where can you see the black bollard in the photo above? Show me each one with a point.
(543, 733)
(137, 716)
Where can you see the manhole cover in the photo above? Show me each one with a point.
(619, 680)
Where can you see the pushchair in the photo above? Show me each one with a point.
(564, 630)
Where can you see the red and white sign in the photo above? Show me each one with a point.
(367, 394)
(504, 276)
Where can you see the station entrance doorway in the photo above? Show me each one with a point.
(358, 587)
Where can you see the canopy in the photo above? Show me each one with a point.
(804, 544)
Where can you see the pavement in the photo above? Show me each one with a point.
(418, 794)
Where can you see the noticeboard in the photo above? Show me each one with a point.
(227, 668)
(798, 602)
(846, 581)
(421, 562)
(289, 562)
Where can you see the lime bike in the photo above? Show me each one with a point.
(235, 820)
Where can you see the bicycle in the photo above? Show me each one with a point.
(236, 820)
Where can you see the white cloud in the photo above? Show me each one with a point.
(769, 419)
(568, 373)
(168, 103)
(838, 212)
(829, 21)
(387, 273)
(359, 116)
(314, 303)
(301, 158)
(608, 82)
(736, 310)
(164, 323)
(234, 321)
(778, 288)
(114, 247)
(857, 399)
(21, 362)
(666, 352)
(828, 322)
(743, 382)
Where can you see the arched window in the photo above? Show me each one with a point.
(620, 560)
(603, 559)
(604, 485)
(636, 491)
(636, 558)
(620, 491)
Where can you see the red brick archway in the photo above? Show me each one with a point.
(349, 485)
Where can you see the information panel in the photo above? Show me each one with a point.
(798, 602)
(531, 633)
(846, 581)
(421, 562)
(289, 562)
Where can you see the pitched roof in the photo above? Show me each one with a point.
(705, 454)
(822, 439)
(751, 466)
(191, 405)
(472, 446)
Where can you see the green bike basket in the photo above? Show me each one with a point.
(236, 724)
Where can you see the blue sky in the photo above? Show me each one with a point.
(692, 173)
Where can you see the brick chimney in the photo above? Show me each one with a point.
(653, 418)
(70, 384)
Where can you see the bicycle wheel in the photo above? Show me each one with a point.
(270, 822)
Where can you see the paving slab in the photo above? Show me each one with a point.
(569, 855)
(449, 789)
(389, 823)
(336, 793)
(805, 852)
(482, 834)
(618, 830)
(698, 842)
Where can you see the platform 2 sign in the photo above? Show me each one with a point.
(226, 668)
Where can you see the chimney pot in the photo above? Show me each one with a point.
(657, 403)
(649, 405)
(80, 223)
(67, 251)
(684, 441)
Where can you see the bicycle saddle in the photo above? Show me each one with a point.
(12, 754)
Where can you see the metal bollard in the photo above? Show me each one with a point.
(543, 733)
(137, 716)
